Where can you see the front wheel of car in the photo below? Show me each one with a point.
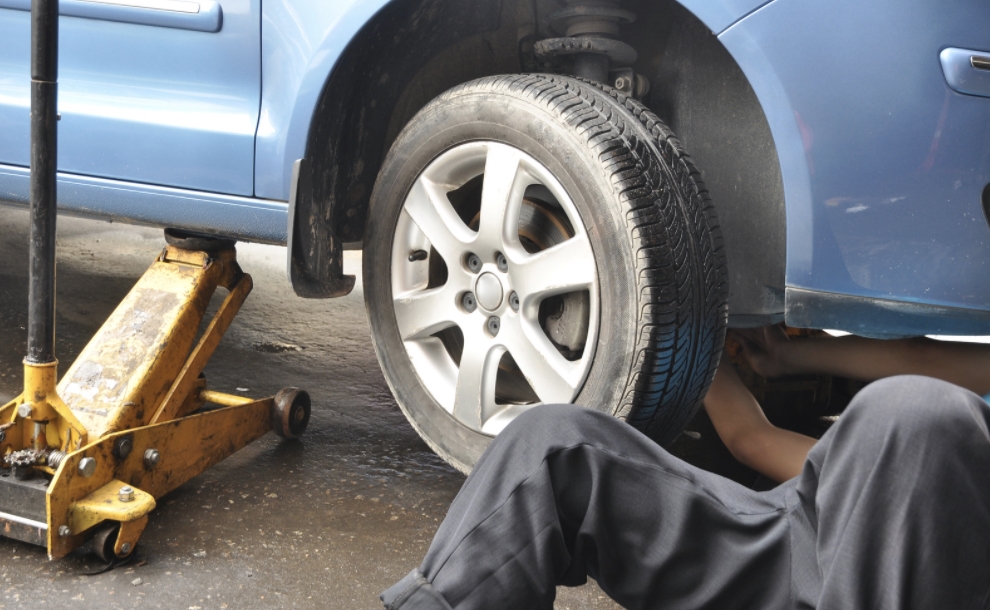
(538, 239)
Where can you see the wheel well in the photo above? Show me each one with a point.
(702, 94)
(409, 53)
(413, 50)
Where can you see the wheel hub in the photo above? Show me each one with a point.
(489, 291)
(479, 316)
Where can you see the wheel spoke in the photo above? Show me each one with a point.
(501, 197)
(474, 398)
(566, 267)
(436, 218)
(552, 377)
(421, 314)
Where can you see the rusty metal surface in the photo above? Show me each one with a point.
(121, 377)
(128, 536)
(39, 395)
(183, 385)
(104, 504)
(137, 369)
(187, 447)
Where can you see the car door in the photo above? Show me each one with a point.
(161, 92)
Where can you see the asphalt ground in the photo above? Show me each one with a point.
(326, 522)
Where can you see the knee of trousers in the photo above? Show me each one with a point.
(547, 428)
(912, 406)
(558, 422)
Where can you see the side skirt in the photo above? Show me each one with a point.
(241, 218)
(876, 317)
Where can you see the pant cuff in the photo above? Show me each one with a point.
(413, 593)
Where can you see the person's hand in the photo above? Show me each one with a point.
(765, 349)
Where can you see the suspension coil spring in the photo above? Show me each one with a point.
(55, 458)
(590, 30)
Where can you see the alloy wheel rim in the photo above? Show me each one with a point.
(497, 287)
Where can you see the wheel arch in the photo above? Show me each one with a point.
(409, 51)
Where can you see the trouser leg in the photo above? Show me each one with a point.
(565, 492)
(901, 494)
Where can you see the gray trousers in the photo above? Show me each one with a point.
(892, 511)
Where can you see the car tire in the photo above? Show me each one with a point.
(617, 261)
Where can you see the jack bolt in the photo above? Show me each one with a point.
(24, 410)
(64, 531)
(151, 458)
(123, 447)
(126, 493)
(125, 548)
(87, 467)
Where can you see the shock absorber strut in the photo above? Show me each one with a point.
(591, 43)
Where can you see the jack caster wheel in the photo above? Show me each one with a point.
(104, 541)
(290, 413)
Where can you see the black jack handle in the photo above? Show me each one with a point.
(44, 165)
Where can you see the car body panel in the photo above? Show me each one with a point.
(883, 191)
(301, 43)
(720, 14)
(144, 103)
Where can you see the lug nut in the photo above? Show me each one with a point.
(502, 262)
(494, 324)
(473, 263)
(151, 458)
(126, 493)
(468, 302)
(87, 467)
(123, 447)
(514, 301)
(64, 531)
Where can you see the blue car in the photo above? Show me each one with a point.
(533, 230)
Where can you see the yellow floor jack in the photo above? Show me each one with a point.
(132, 418)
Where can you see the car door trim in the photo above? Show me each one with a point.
(201, 16)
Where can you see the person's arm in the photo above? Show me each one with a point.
(771, 353)
(773, 452)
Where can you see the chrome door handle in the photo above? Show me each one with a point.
(966, 71)
(198, 15)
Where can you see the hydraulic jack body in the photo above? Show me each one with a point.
(126, 424)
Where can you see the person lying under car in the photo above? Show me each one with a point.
(890, 509)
